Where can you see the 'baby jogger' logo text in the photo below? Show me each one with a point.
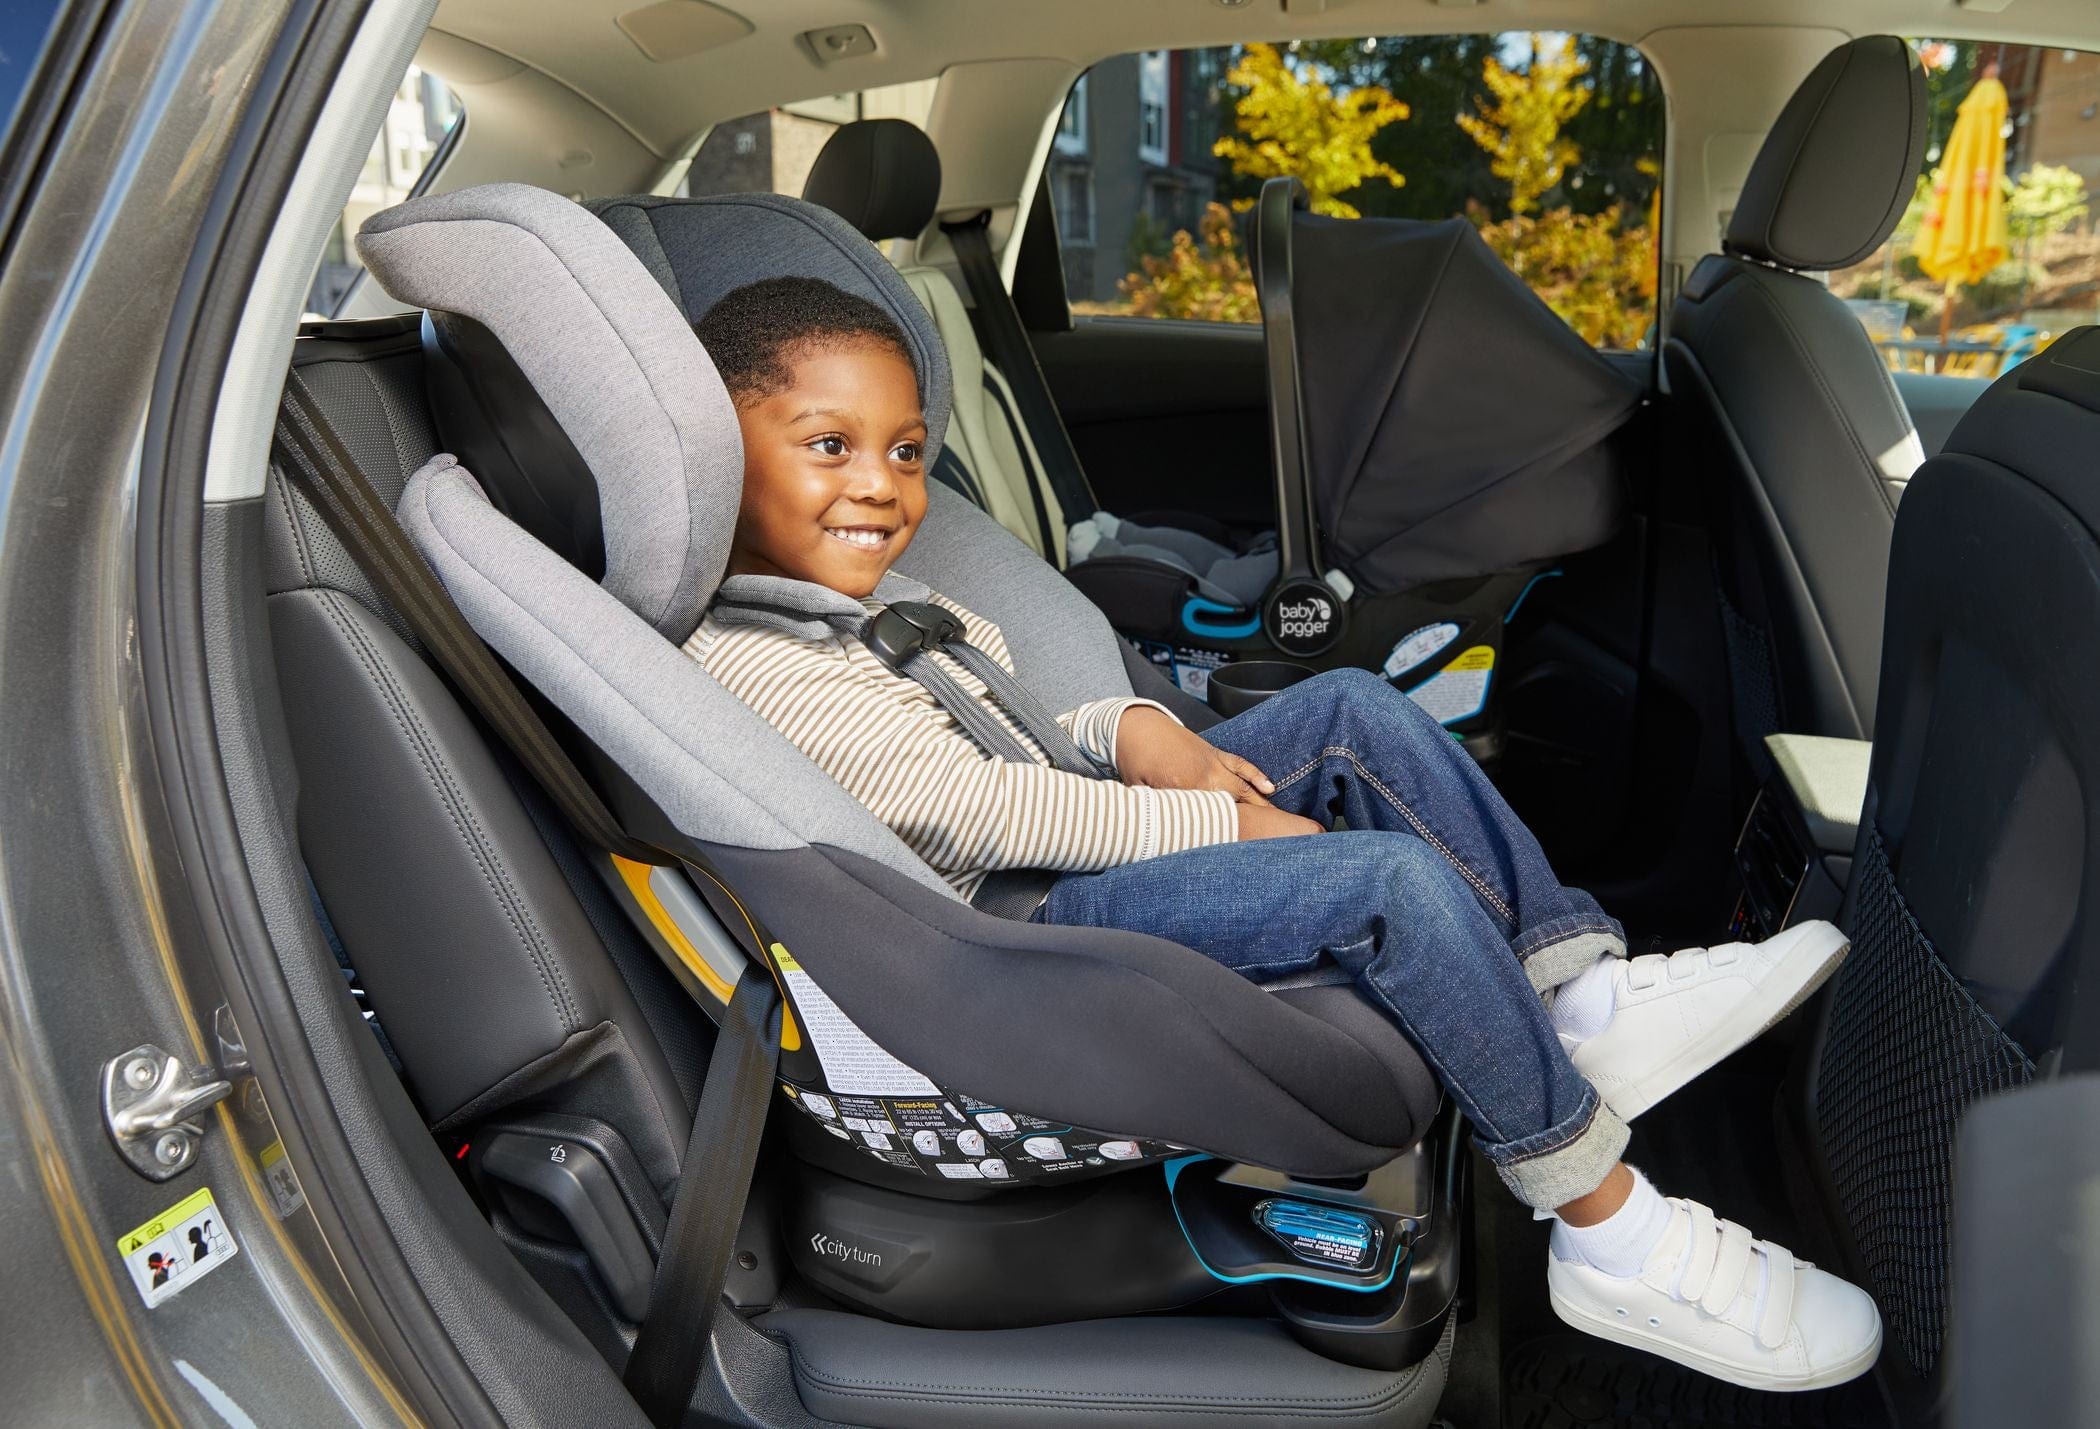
(1303, 617)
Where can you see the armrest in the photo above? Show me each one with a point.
(1828, 780)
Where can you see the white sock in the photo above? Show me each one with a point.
(1619, 1244)
(1583, 1005)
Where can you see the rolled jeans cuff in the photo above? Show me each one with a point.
(1565, 1162)
(1557, 951)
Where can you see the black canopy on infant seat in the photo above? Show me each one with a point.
(1440, 437)
(964, 1013)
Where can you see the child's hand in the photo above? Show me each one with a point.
(1154, 751)
(1266, 821)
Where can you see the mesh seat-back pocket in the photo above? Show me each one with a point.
(1908, 1049)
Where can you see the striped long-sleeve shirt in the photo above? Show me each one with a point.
(964, 811)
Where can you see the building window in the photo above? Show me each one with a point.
(1152, 107)
(1071, 121)
(1072, 190)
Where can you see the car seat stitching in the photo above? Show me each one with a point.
(463, 820)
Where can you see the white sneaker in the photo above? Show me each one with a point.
(1676, 1015)
(1739, 1309)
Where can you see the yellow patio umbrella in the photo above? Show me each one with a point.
(1963, 234)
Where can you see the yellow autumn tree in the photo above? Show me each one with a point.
(1596, 270)
(1296, 126)
(1285, 124)
(1521, 130)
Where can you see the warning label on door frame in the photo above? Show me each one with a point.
(184, 1243)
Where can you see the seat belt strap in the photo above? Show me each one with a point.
(999, 328)
(314, 458)
(670, 1351)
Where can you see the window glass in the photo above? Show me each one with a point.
(418, 123)
(1995, 255)
(773, 151)
(1550, 144)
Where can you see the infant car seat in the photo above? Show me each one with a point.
(941, 1067)
(1435, 452)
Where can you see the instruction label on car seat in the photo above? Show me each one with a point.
(181, 1245)
(1459, 690)
(1185, 665)
(852, 1060)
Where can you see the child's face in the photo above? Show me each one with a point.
(834, 470)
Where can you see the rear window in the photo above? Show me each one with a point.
(1550, 144)
(1997, 252)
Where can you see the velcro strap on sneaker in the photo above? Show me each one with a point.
(1731, 1264)
(1779, 1297)
(1699, 1255)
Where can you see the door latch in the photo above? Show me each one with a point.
(150, 1102)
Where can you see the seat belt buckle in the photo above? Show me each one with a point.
(897, 633)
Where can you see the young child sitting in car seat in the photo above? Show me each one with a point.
(1435, 898)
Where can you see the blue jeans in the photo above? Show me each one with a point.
(1436, 900)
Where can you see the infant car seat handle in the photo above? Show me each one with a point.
(1302, 613)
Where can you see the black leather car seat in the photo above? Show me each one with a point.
(1807, 442)
(1976, 879)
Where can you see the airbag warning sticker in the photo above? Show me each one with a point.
(182, 1244)
(1459, 690)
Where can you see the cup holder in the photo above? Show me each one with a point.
(1240, 686)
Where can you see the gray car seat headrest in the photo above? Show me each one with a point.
(616, 419)
(1839, 166)
(700, 249)
(883, 176)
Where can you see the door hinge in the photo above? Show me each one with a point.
(150, 1102)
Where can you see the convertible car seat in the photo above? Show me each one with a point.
(1974, 905)
(1808, 442)
(947, 1036)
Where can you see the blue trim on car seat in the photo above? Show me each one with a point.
(1174, 1168)
(1197, 605)
(1511, 613)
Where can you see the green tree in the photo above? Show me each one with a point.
(1295, 124)
(1205, 278)
(2046, 199)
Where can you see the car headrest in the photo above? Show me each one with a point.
(701, 248)
(577, 363)
(883, 176)
(1840, 164)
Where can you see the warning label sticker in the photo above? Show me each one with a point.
(277, 1175)
(182, 1244)
(1459, 690)
(852, 1061)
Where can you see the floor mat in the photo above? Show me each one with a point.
(1572, 1381)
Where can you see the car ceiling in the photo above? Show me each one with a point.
(755, 56)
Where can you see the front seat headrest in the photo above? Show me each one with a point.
(1839, 166)
(883, 176)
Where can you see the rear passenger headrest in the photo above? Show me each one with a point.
(613, 362)
(701, 248)
(883, 176)
(1839, 166)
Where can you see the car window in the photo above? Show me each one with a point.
(419, 124)
(1997, 252)
(1550, 144)
(773, 150)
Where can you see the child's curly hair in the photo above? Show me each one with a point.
(756, 333)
